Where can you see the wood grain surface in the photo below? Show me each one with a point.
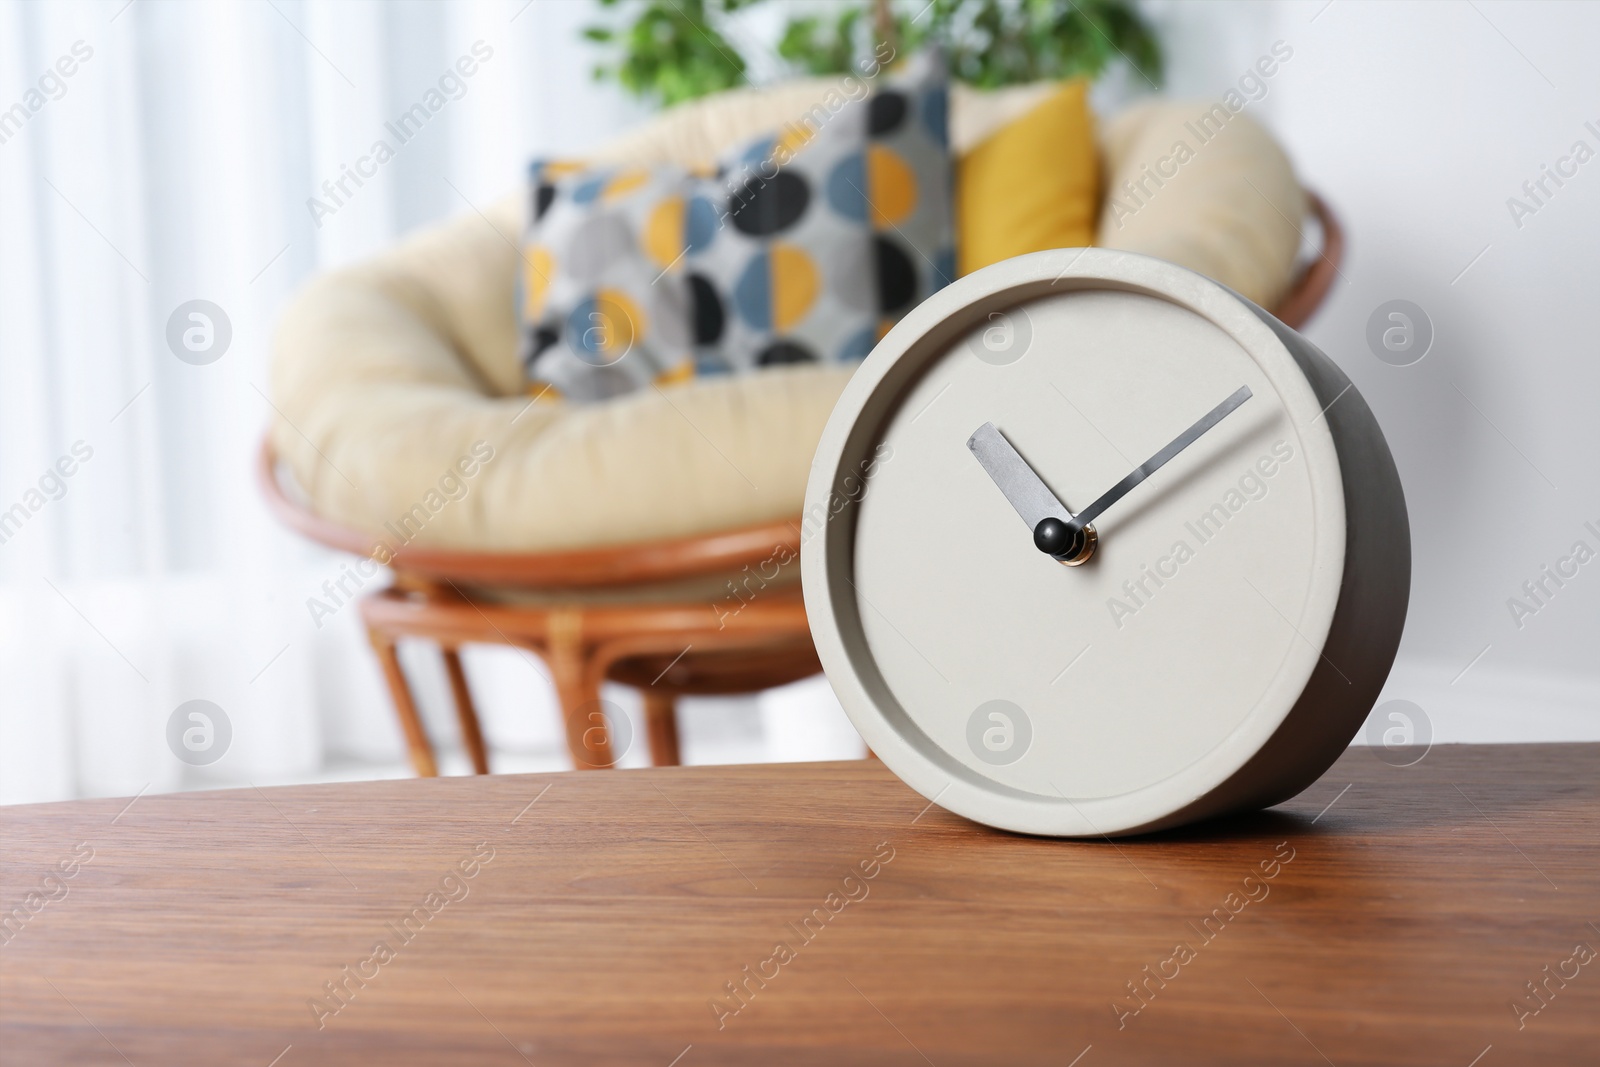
(1386, 916)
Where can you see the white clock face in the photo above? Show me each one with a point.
(1101, 696)
(1128, 668)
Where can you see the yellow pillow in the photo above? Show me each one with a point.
(1033, 184)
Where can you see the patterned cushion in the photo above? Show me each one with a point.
(804, 246)
(908, 183)
(779, 261)
(603, 312)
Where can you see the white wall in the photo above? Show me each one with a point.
(1417, 122)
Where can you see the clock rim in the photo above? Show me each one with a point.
(1211, 782)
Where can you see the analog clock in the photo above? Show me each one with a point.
(1102, 548)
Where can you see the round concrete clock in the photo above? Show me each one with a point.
(1095, 547)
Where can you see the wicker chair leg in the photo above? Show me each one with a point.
(588, 733)
(471, 733)
(661, 719)
(578, 690)
(405, 707)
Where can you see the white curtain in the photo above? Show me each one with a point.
(157, 153)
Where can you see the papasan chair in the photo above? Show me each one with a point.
(652, 539)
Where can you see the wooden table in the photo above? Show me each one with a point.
(1387, 916)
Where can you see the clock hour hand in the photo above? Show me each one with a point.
(1019, 482)
(1022, 486)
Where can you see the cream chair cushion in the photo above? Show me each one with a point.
(1231, 209)
(386, 374)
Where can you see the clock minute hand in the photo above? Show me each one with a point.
(1159, 460)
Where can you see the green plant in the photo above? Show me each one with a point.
(671, 51)
(674, 50)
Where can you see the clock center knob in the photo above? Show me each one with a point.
(1067, 542)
